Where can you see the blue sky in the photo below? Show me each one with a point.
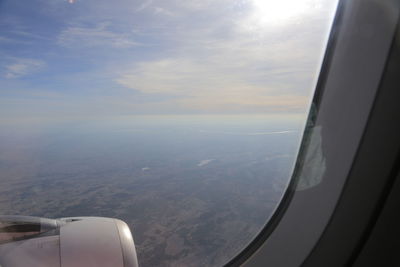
(127, 57)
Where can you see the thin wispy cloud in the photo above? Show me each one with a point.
(250, 134)
(144, 5)
(281, 156)
(25, 33)
(7, 40)
(99, 35)
(22, 67)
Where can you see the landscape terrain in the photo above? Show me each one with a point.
(194, 192)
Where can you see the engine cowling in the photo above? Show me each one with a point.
(67, 242)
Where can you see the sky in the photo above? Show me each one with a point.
(76, 58)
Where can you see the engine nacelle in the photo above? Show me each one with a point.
(67, 242)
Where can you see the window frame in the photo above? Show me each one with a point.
(351, 74)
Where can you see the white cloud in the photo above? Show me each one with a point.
(162, 11)
(230, 75)
(22, 67)
(210, 86)
(231, 63)
(204, 162)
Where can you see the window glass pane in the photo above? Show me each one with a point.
(182, 118)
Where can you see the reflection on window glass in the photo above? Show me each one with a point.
(182, 118)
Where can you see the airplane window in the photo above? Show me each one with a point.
(181, 118)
